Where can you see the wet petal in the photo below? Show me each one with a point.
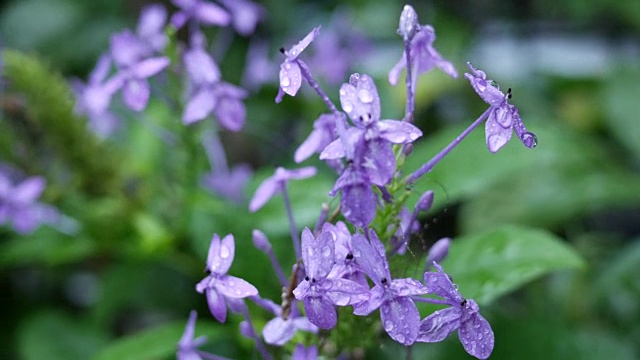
(199, 106)
(358, 203)
(437, 326)
(375, 300)
(217, 305)
(265, 191)
(477, 337)
(496, 135)
(317, 254)
(398, 132)
(321, 312)
(290, 77)
(400, 319)
(235, 287)
(295, 51)
(150, 67)
(278, 331)
(440, 284)
(407, 287)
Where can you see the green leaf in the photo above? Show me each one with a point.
(470, 169)
(57, 336)
(45, 246)
(489, 265)
(548, 196)
(162, 341)
(620, 101)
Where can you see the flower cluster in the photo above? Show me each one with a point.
(345, 263)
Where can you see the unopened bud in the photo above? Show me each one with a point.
(438, 251)
(425, 202)
(408, 23)
(260, 241)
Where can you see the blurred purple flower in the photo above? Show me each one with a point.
(324, 132)
(19, 206)
(274, 184)
(218, 285)
(290, 73)
(463, 315)
(199, 11)
(399, 314)
(503, 116)
(188, 346)
(207, 93)
(302, 353)
(259, 69)
(278, 331)
(424, 56)
(245, 15)
(94, 97)
(131, 56)
(319, 293)
(438, 251)
(150, 28)
(229, 184)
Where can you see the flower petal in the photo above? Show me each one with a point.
(290, 77)
(150, 67)
(217, 305)
(476, 336)
(440, 284)
(235, 287)
(320, 312)
(437, 326)
(278, 331)
(317, 254)
(199, 106)
(400, 319)
(136, 94)
(398, 132)
(496, 135)
(295, 51)
(265, 191)
(211, 14)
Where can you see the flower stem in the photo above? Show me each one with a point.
(306, 74)
(428, 166)
(292, 224)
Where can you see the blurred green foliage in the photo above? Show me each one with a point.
(554, 230)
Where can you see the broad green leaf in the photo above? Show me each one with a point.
(155, 343)
(470, 169)
(548, 196)
(57, 336)
(620, 101)
(489, 265)
(45, 246)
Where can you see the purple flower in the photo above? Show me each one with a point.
(188, 346)
(399, 315)
(503, 117)
(218, 285)
(245, 15)
(94, 97)
(367, 147)
(200, 11)
(302, 353)
(229, 183)
(207, 93)
(20, 208)
(271, 185)
(134, 65)
(290, 73)
(150, 29)
(324, 132)
(279, 330)
(424, 57)
(259, 69)
(345, 266)
(319, 293)
(463, 315)
(438, 251)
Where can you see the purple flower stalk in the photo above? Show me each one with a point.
(218, 285)
(463, 315)
(503, 117)
(399, 314)
(319, 293)
(290, 72)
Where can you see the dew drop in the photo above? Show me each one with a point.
(495, 142)
(365, 96)
(529, 140)
(388, 325)
(287, 66)
(347, 106)
(326, 251)
(342, 92)
(479, 336)
(285, 81)
(310, 251)
(238, 292)
(356, 253)
(224, 252)
(400, 338)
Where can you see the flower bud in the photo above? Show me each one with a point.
(408, 23)
(438, 251)
(425, 202)
(260, 241)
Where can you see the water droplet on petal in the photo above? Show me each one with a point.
(479, 336)
(326, 251)
(310, 251)
(347, 106)
(400, 338)
(388, 325)
(365, 96)
(495, 142)
(529, 140)
(285, 81)
(224, 252)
